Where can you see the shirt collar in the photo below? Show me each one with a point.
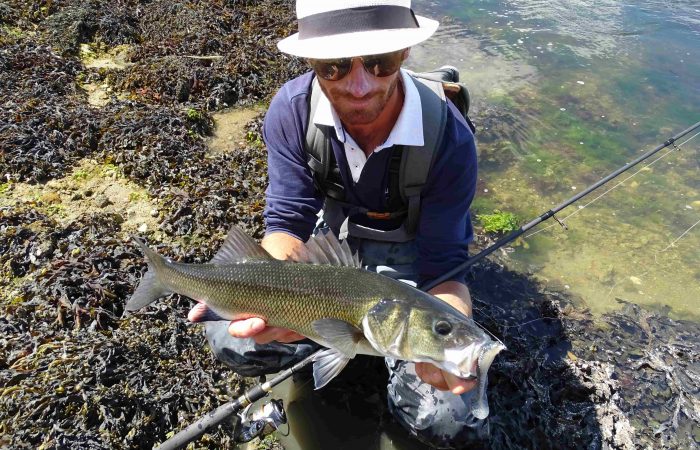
(408, 129)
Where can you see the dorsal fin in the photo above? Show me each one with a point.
(238, 247)
(324, 248)
(316, 254)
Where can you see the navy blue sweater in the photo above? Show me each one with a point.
(444, 229)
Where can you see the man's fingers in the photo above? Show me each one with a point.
(431, 375)
(257, 329)
(442, 380)
(458, 385)
(283, 335)
(197, 312)
(246, 328)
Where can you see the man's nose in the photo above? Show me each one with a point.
(359, 81)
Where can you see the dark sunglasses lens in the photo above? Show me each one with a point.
(331, 70)
(383, 65)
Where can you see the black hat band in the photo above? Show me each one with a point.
(351, 20)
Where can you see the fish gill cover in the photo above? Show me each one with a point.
(76, 373)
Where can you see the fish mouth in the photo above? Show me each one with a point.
(472, 361)
(480, 404)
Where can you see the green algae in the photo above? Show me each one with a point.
(498, 222)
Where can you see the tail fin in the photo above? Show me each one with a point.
(150, 288)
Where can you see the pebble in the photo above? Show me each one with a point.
(580, 82)
(154, 212)
(142, 228)
(635, 280)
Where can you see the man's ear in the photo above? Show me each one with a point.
(406, 52)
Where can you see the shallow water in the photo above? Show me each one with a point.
(565, 92)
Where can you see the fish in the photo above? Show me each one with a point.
(332, 300)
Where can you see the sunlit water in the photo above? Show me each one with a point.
(569, 91)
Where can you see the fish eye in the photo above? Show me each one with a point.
(442, 327)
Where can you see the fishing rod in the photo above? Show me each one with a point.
(214, 418)
(551, 213)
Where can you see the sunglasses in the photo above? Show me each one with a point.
(378, 65)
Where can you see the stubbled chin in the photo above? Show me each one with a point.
(358, 117)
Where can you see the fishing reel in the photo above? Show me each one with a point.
(261, 422)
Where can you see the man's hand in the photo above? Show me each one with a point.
(256, 328)
(252, 327)
(279, 246)
(442, 380)
(457, 295)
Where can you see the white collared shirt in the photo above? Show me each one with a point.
(408, 129)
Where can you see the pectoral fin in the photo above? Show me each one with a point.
(339, 334)
(327, 365)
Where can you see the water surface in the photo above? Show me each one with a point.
(566, 92)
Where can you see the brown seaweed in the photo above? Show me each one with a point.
(75, 372)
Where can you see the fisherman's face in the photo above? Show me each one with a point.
(360, 94)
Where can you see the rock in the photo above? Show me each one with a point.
(51, 197)
(102, 201)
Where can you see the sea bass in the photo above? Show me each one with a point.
(333, 301)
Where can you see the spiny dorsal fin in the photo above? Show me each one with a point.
(316, 253)
(238, 247)
(324, 248)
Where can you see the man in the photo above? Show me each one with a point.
(368, 106)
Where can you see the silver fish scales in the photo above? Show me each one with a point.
(333, 301)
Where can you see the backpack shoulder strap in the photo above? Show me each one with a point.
(318, 144)
(416, 161)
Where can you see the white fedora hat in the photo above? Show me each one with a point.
(345, 28)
